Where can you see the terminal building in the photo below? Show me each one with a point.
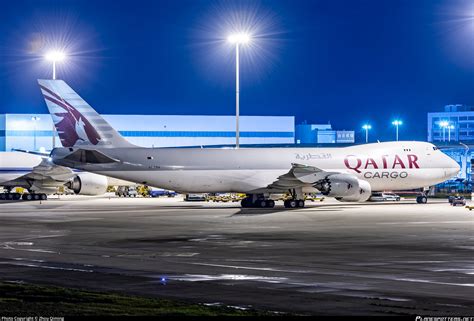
(452, 130)
(36, 132)
(455, 124)
(322, 134)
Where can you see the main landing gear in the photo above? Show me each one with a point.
(25, 197)
(293, 203)
(253, 201)
(262, 201)
(297, 199)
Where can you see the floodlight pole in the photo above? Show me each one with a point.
(396, 126)
(54, 69)
(237, 93)
(34, 119)
(34, 135)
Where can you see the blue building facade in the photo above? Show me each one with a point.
(36, 132)
(322, 134)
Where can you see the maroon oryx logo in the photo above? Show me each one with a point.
(72, 126)
(383, 162)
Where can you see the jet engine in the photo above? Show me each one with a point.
(345, 188)
(88, 184)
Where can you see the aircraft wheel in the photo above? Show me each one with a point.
(291, 204)
(261, 204)
(270, 203)
(300, 203)
(43, 197)
(421, 199)
(245, 203)
(3, 196)
(36, 197)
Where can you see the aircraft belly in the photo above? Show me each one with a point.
(202, 181)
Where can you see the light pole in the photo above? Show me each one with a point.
(397, 123)
(367, 127)
(444, 124)
(55, 56)
(449, 132)
(35, 119)
(237, 40)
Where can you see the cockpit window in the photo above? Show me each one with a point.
(435, 148)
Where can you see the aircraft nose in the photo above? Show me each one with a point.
(452, 168)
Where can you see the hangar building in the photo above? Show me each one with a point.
(35, 131)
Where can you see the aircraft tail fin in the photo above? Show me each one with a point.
(77, 123)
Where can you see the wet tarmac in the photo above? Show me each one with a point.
(329, 258)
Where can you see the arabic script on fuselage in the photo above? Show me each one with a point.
(310, 156)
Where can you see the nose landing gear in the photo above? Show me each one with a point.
(421, 199)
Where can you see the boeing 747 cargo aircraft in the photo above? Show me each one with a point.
(349, 174)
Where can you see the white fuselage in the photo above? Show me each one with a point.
(385, 166)
(16, 164)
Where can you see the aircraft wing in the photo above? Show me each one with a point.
(46, 173)
(46, 170)
(300, 176)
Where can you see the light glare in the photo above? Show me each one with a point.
(239, 38)
(55, 56)
(443, 124)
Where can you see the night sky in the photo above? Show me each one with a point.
(344, 62)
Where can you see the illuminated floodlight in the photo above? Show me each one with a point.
(366, 127)
(397, 123)
(55, 56)
(443, 124)
(239, 38)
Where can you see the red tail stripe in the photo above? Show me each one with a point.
(60, 103)
(51, 92)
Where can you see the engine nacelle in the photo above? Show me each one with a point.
(344, 187)
(88, 184)
(363, 194)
